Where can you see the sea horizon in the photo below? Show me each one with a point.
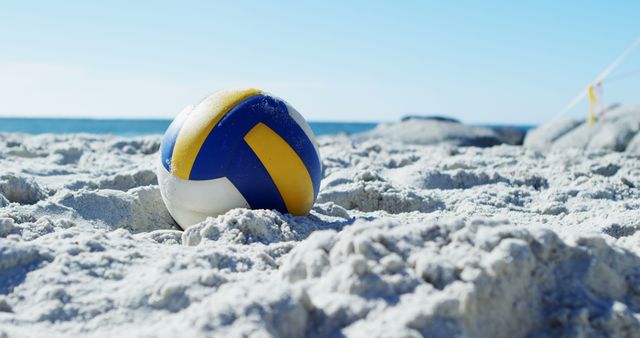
(153, 126)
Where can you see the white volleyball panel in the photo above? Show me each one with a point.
(191, 202)
(304, 126)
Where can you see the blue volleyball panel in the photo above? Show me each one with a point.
(169, 140)
(218, 148)
(250, 177)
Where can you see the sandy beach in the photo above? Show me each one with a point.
(405, 239)
(338, 169)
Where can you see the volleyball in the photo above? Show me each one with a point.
(238, 149)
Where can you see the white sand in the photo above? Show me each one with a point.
(405, 240)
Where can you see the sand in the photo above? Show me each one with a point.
(405, 240)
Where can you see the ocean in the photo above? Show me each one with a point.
(140, 127)
(126, 127)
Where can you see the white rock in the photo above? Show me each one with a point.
(424, 132)
(613, 131)
(543, 136)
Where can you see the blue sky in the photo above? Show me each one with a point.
(482, 62)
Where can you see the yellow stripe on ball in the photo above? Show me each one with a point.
(199, 124)
(285, 167)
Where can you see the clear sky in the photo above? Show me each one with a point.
(482, 62)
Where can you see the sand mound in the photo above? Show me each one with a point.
(120, 181)
(139, 209)
(480, 278)
(21, 189)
